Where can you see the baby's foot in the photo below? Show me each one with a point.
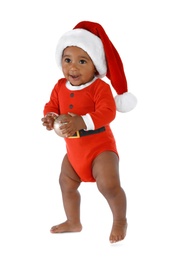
(118, 231)
(66, 227)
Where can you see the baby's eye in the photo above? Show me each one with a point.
(82, 61)
(67, 60)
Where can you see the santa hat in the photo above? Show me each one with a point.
(92, 38)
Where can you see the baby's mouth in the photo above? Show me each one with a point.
(74, 76)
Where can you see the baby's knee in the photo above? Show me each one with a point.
(68, 184)
(108, 188)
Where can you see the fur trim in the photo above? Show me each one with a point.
(125, 102)
(87, 41)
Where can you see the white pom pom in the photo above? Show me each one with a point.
(125, 102)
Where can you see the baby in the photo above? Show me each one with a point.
(85, 55)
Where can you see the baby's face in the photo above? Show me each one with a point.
(77, 66)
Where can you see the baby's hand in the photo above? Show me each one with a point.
(72, 123)
(48, 121)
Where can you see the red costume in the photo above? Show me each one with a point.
(93, 101)
(96, 100)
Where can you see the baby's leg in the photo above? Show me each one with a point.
(69, 183)
(106, 173)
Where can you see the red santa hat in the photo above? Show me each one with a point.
(92, 38)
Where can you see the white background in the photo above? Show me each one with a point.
(144, 32)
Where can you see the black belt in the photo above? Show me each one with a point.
(82, 132)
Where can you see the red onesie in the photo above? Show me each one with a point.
(96, 100)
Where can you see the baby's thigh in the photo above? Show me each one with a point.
(68, 176)
(106, 166)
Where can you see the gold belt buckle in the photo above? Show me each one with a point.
(75, 136)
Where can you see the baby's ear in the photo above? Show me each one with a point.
(96, 72)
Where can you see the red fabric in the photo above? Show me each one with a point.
(115, 70)
(82, 152)
(98, 101)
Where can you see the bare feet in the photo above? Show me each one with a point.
(118, 231)
(66, 227)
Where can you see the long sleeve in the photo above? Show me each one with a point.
(105, 108)
(53, 104)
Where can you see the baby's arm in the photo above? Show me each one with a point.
(105, 107)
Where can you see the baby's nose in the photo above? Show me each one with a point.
(73, 66)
